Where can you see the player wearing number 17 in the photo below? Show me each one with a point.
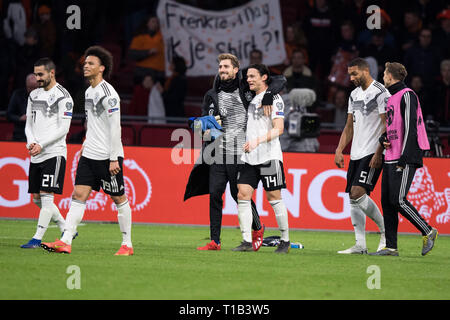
(101, 161)
(49, 112)
(366, 121)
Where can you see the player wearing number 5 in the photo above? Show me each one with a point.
(366, 121)
(263, 160)
(49, 113)
(101, 161)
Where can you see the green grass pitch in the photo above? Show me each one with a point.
(167, 266)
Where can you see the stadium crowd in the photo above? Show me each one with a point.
(321, 37)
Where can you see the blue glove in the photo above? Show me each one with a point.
(205, 123)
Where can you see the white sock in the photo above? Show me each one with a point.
(359, 223)
(124, 218)
(245, 219)
(73, 219)
(57, 217)
(371, 210)
(281, 215)
(45, 215)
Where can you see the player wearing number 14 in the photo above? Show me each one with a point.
(49, 113)
(263, 159)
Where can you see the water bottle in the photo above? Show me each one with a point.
(296, 245)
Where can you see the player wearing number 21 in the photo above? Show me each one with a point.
(49, 113)
(263, 160)
(366, 121)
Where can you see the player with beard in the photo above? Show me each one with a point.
(49, 113)
(229, 98)
(366, 121)
(101, 161)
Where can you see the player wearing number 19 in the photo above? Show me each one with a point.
(49, 113)
(366, 121)
(101, 161)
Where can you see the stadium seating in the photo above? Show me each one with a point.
(6, 130)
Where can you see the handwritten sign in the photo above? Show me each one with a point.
(199, 36)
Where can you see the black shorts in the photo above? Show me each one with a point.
(271, 174)
(47, 176)
(95, 173)
(360, 174)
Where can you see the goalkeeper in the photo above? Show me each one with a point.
(223, 125)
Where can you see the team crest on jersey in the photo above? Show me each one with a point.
(112, 102)
(248, 96)
(280, 106)
(51, 99)
(69, 105)
(222, 111)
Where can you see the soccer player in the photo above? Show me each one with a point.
(229, 98)
(101, 161)
(366, 121)
(405, 141)
(49, 113)
(263, 160)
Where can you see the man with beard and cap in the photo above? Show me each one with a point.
(220, 159)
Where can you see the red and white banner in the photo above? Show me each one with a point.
(155, 185)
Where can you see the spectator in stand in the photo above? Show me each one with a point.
(442, 34)
(423, 58)
(175, 88)
(255, 57)
(416, 84)
(147, 49)
(442, 95)
(408, 35)
(346, 51)
(15, 23)
(47, 31)
(17, 108)
(6, 68)
(147, 101)
(428, 9)
(26, 56)
(139, 100)
(378, 49)
(295, 39)
(297, 74)
(365, 36)
(319, 27)
(340, 108)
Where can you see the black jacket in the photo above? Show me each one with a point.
(412, 154)
(18, 107)
(198, 183)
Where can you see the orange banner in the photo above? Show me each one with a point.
(155, 180)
